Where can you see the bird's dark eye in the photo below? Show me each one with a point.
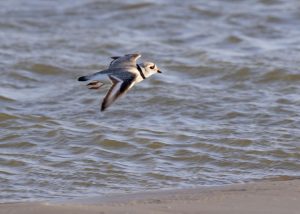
(152, 67)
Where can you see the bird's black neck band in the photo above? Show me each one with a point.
(140, 70)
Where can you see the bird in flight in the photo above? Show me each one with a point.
(123, 72)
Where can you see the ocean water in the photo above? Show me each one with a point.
(225, 110)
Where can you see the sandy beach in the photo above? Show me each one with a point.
(282, 197)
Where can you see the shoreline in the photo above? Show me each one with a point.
(256, 197)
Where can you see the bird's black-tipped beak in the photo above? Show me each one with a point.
(159, 71)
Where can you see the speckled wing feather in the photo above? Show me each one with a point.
(118, 88)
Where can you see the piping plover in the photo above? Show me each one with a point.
(123, 72)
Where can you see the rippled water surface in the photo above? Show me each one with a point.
(226, 109)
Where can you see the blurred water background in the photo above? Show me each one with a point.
(225, 110)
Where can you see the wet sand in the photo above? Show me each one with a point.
(259, 197)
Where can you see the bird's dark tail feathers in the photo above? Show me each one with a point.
(83, 78)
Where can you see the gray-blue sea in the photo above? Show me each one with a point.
(225, 110)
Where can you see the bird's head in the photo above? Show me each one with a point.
(150, 68)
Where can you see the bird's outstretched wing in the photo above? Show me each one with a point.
(126, 61)
(118, 88)
(120, 63)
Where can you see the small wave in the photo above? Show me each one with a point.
(115, 144)
(233, 39)
(207, 12)
(12, 163)
(7, 99)
(4, 116)
(233, 114)
(160, 176)
(280, 178)
(17, 145)
(241, 74)
(136, 6)
(156, 145)
(183, 155)
(40, 68)
(46, 69)
(279, 75)
(6, 173)
(23, 78)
